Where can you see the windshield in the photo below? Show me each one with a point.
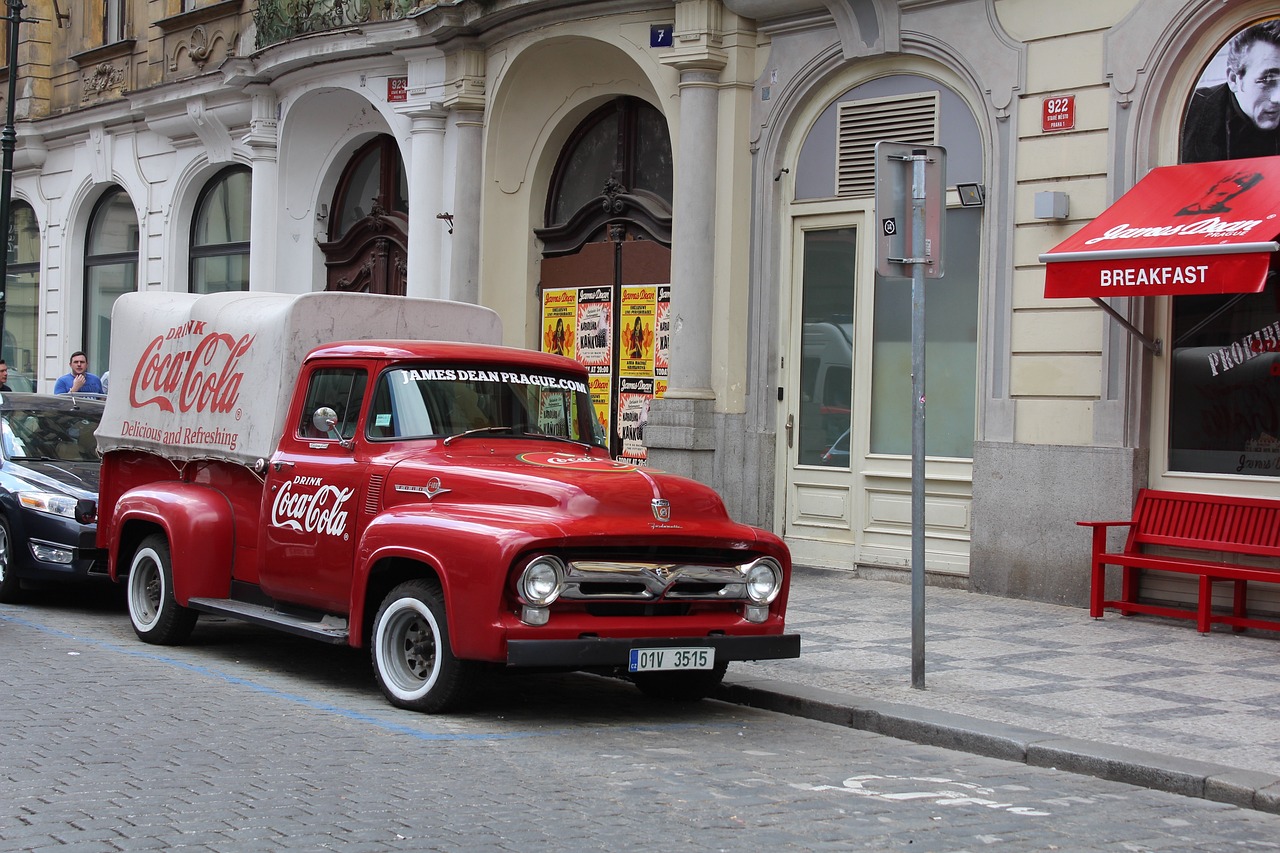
(62, 435)
(449, 401)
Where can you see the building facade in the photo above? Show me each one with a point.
(681, 195)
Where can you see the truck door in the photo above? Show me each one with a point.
(311, 494)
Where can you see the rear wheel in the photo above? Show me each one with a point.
(10, 586)
(687, 686)
(412, 658)
(155, 613)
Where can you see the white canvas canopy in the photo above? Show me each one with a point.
(210, 377)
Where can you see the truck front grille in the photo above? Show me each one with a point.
(598, 580)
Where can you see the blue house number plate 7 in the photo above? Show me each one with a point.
(651, 660)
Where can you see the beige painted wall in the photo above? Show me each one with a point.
(1056, 345)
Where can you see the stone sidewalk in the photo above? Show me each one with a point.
(1141, 699)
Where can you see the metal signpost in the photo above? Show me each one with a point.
(909, 242)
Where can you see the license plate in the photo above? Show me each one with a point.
(653, 660)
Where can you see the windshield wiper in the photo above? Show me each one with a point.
(478, 431)
(563, 438)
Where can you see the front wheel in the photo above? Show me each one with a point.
(10, 586)
(156, 615)
(689, 686)
(412, 658)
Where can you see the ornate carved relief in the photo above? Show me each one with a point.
(101, 80)
(201, 44)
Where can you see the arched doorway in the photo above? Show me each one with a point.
(607, 263)
(845, 423)
(367, 250)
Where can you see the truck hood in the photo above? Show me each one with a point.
(547, 485)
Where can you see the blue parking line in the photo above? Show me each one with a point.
(345, 713)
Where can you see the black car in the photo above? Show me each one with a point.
(49, 469)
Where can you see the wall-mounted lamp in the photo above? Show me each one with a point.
(323, 213)
(1052, 205)
(971, 195)
(448, 218)
(63, 18)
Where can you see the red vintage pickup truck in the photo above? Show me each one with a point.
(378, 472)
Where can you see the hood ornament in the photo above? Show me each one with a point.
(661, 509)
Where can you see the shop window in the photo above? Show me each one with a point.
(22, 298)
(951, 352)
(1224, 391)
(111, 268)
(220, 233)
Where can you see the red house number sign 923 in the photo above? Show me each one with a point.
(1059, 113)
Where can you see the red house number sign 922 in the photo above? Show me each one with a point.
(1059, 113)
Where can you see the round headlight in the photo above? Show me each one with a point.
(764, 581)
(541, 581)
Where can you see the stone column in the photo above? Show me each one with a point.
(465, 98)
(264, 209)
(426, 156)
(693, 235)
(681, 433)
(464, 284)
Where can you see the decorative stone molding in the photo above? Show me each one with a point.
(199, 46)
(101, 80)
(209, 32)
(464, 86)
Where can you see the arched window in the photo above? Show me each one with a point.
(368, 243)
(22, 298)
(616, 167)
(374, 181)
(110, 269)
(220, 234)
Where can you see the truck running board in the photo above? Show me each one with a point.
(326, 631)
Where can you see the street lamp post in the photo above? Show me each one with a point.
(8, 137)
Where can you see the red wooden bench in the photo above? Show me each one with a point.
(1228, 527)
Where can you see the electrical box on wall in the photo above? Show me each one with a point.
(1052, 205)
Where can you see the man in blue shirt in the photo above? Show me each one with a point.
(79, 380)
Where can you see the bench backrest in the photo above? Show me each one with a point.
(1209, 522)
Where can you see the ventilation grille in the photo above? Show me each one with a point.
(373, 494)
(911, 119)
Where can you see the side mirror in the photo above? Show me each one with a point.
(325, 420)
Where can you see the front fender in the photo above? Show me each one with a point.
(197, 521)
(470, 555)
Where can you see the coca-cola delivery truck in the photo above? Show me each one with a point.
(378, 472)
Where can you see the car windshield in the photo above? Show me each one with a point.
(65, 435)
(457, 400)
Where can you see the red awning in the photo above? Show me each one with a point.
(1194, 228)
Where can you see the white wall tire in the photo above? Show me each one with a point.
(155, 613)
(412, 658)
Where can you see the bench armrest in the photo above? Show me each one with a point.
(1100, 529)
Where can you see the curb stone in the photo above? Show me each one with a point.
(1188, 777)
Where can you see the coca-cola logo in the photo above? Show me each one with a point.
(320, 511)
(203, 378)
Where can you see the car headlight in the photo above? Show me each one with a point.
(764, 580)
(50, 503)
(541, 581)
